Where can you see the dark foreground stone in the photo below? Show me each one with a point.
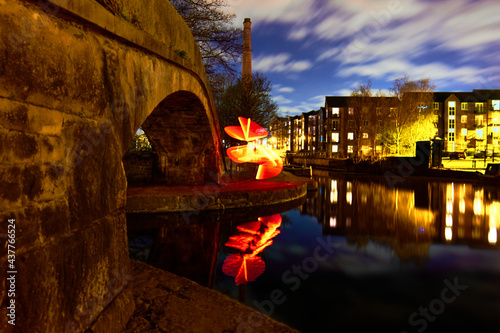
(168, 303)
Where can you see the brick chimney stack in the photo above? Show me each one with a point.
(246, 71)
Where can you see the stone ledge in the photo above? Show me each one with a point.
(168, 303)
(235, 194)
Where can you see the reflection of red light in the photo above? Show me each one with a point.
(270, 164)
(244, 267)
(253, 237)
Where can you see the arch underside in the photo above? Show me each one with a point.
(181, 136)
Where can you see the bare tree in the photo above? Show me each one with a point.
(250, 100)
(413, 111)
(361, 104)
(221, 44)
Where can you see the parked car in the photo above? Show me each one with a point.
(480, 154)
(457, 155)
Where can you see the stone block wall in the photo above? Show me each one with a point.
(72, 95)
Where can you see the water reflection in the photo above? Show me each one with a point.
(252, 238)
(189, 245)
(408, 218)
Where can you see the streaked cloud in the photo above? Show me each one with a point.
(286, 89)
(279, 63)
(281, 100)
(327, 45)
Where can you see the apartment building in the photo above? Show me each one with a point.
(465, 121)
(471, 120)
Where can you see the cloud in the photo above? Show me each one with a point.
(281, 100)
(283, 11)
(280, 63)
(286, 89)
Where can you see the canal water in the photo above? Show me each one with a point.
(361, 254)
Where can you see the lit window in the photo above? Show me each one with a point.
(479, 107)
(365, 135)
(464, 131)
(351, 111)
(451, 108)
(436, 106)
(479, 133)
(496, 104)
(350, 149)
(335, 148)
(335, 112)
(335, 137)
(350, 136)
(463, 119)
(465, 106)
(479, 120)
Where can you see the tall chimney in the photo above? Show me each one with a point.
(246, 71)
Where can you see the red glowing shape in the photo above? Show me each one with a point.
(252, 238)
(243, 267)
(247, 131)
(270, 164)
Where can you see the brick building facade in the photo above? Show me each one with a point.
(466, 121)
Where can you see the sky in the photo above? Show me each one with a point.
(309, 49)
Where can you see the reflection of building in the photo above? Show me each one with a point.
(407, 219)
(470, 214)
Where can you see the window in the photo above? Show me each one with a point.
(465, 106)
(451, 108)
(351, 111)
(335, 137)
(335, 125)
(350, 149)
(479, 107)
(451, 136)
(479, 134)
(463, 119)
(365, 135)
(377, 111)
(350, 136)
(393, 110)
(365, 123)
(335, 148)
(479, 120)
(451, 123)
(436, 106)
(365, 110)
(335, 112)
(350, 123)
(464, 131)
(495, 104)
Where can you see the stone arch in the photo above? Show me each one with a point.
(186, 150)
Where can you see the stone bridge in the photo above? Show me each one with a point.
(76, 82)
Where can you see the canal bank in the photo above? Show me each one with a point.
(165, 302)
(230, 194)
(395, 167)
